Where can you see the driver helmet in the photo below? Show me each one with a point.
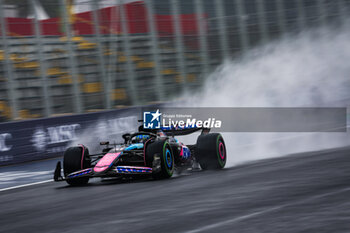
(141, 138)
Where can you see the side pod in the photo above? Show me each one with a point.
(57, 174)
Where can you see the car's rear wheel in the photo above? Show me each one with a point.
(75, 159)
(160, 157)
(210, 151)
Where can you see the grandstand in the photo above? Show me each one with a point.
(106, 54)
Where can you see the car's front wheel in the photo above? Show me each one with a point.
(75, 159)
(160, 157)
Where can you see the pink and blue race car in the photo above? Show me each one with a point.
(154, 153)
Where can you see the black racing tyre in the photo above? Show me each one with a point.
(75, 159)
(210, 151)
(162, 149)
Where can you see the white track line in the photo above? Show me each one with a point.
(254, 214)
(234, 220)
(25, 185)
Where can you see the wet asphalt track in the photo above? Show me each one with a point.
(300, 193)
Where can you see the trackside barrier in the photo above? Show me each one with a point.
(49, 137)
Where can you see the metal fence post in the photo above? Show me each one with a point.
(129, 66)
(262, 21)
(281, 16)
(220, 15)
(72, 59)
(102, 64)
(342, 11)
(113, 40)
(301, 15)
(322, 12)
(155, 49)
(42, 67)
(202, 27)
(8, 65)
(180, 55)
(243, 34)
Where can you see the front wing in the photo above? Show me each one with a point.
(130, 170)
(114, 171)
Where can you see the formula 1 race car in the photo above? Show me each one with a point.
(155, 153)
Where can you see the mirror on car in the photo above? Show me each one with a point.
(126, 137)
